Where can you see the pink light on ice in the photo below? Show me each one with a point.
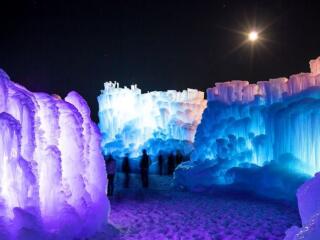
(52, 174)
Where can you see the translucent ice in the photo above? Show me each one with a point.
(130, 120)
(52, 174)
(270, 127)
(309, 207)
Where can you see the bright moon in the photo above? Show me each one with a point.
(253, 36)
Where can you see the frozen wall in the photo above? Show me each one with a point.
(52, 174)
(272, 124)
(130, 120)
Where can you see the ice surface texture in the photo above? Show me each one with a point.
(309, 207)
(130, 120)
(52, 174)
(271, 127)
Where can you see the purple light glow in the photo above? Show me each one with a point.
(309, 208)
(52, 174)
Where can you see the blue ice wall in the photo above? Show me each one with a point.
(272, 125)
(257, 133)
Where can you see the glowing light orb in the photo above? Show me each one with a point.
(253, 36)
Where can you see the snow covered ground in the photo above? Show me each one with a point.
(162, 212)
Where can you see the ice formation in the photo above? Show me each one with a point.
(309, 207)
(130, 120)
(52, 174)
(272, 125)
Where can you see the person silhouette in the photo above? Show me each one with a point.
(171, 163)
(126, 170)
(144, 168)
(111, 170)
(179, 157)
(160, 162)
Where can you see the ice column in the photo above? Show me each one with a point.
(52, 173)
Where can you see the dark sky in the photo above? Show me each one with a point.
(56, 47)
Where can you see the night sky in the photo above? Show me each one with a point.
(56, 47)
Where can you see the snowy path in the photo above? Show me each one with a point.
(163, 213)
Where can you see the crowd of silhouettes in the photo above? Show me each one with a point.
(173, 160)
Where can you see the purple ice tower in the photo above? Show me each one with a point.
(52, 174)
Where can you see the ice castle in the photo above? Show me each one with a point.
(258, 134)
(260, 122)
(245, 128)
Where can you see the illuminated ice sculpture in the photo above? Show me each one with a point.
(130, 120)
(52, 174)
(268, 127)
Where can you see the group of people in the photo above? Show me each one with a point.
(173, 160)
(145, 162)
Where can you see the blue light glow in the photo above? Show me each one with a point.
(271, 128)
